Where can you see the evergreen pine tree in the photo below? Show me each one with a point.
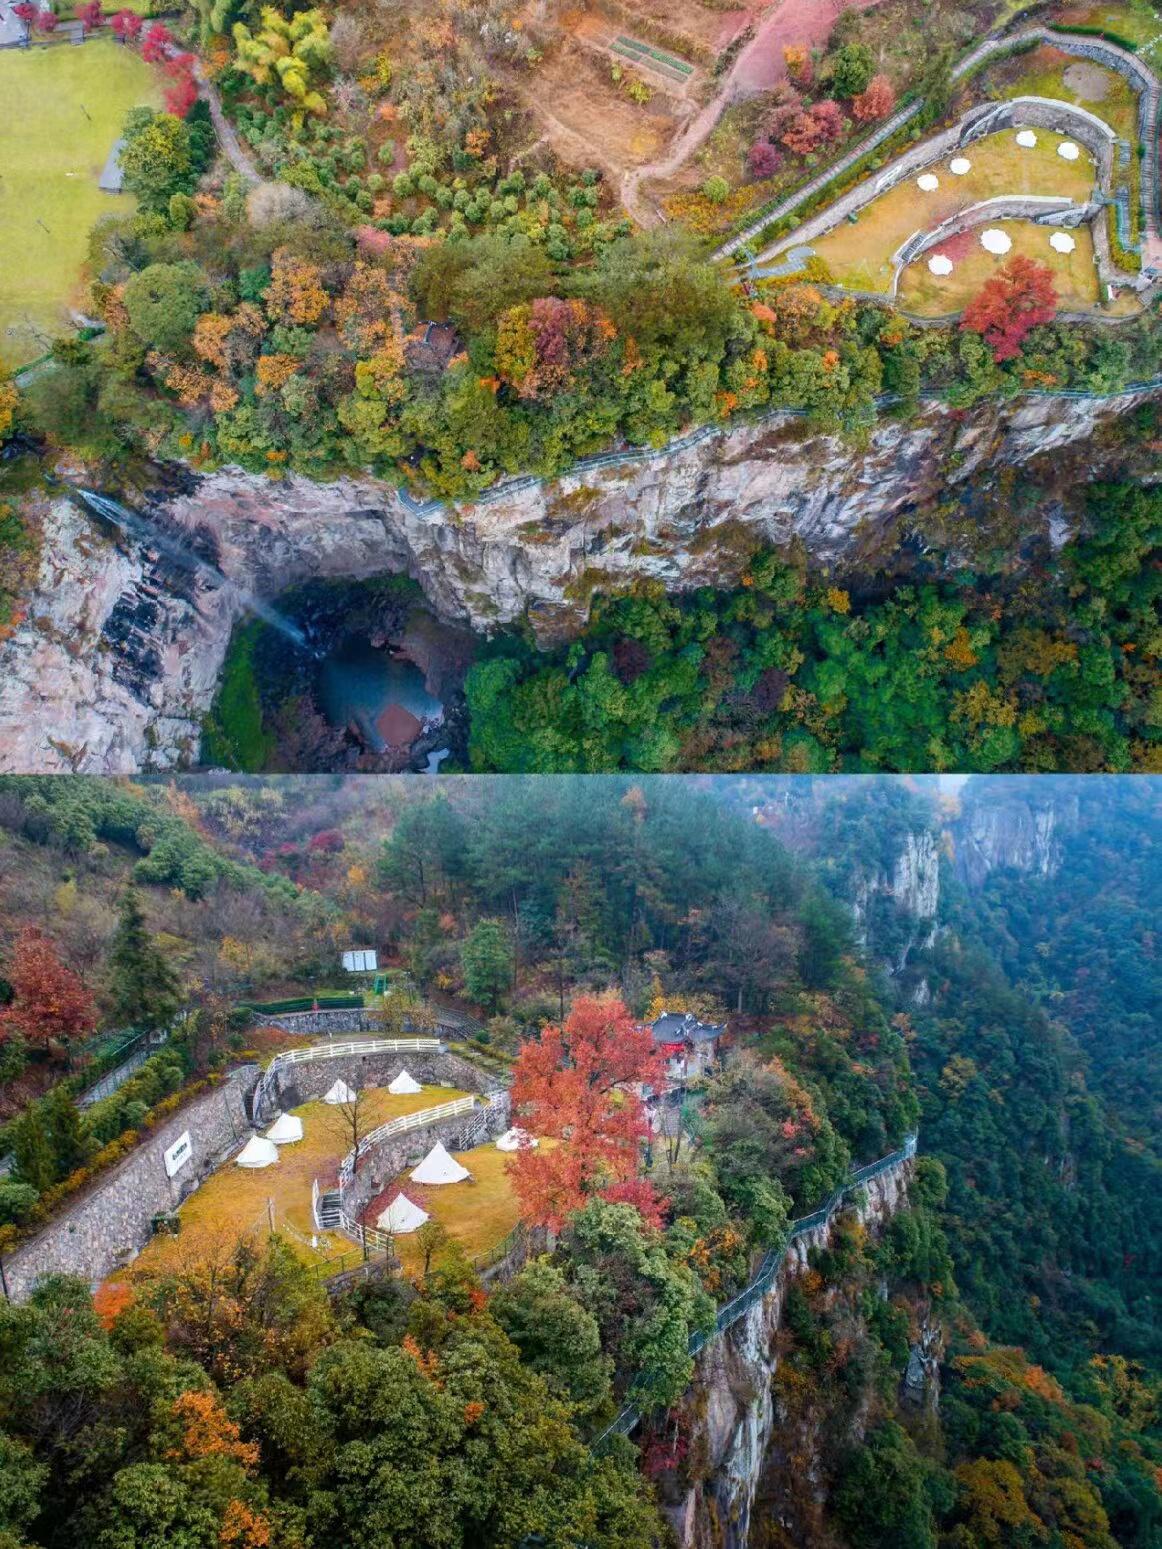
(32, 1152)
(143, 986)
(66, 1137)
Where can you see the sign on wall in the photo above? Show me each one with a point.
(178, 1154)
(360, 961)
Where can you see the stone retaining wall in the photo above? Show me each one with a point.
(311, 1023)
(385, 1161)
(309, 1079)
(111, 1224)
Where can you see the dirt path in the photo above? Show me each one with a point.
(758, 68)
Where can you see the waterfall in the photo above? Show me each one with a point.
(136, 526)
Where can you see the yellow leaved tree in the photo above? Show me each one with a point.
(295, 53)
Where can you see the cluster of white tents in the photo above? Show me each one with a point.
(437, 1168)
(262, 1150)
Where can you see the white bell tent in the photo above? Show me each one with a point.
(404, 1085)
(401, 1217)
(439, 1167)
(257, 1152)
(285, 1130)
(517, 1139)
(339, 1093)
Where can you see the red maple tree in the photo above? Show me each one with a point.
(580, 1085)
(50, 1005)
(90, 15)
(156, 43)
(182, 92)
(126, 25)
(1019, 298)
(877, 101)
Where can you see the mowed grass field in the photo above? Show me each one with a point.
(63, 109)
(234, 1201)
(859, 255)
(478, 1213)
(930, 295)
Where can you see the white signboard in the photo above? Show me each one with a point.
(178, 1154)
(360, 961)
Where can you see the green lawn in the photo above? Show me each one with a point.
(859, 255)
(1050, 72)
(1137, 21)
(63, 109)
(930, 295)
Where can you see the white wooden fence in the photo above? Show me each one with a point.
(331, 1051)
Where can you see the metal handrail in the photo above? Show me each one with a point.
(730, 1312)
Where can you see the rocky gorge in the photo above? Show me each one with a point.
(117, 660)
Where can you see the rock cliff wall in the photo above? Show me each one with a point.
(912, 885)
(1023, 831)
(118, 658)
(731, 1405)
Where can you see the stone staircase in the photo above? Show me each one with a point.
(329, 1210)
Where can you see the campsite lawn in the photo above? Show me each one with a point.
(859, 254)
(63, 109)
(233, 1202)
(478, 1213)
(930, 295)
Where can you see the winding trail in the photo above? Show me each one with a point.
(758, 67)
(228, 140)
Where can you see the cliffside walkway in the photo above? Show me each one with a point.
(730, 1312)
(439, 509)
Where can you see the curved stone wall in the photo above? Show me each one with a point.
(309, 1079)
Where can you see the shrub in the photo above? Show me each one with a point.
(763, 160)
(716, 189)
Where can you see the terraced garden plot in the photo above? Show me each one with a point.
(1050, 72)
(233, 1202)
(859, 254)
(930, 295)
(63, 109)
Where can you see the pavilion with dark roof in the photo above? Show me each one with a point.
(690, 1045)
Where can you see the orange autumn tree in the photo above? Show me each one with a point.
(580, 1085)
(50, 1005)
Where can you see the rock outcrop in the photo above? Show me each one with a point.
(120, 652)
(1021, 830)
(912, 886)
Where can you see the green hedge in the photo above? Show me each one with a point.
(351, 1002)
(1097, 32)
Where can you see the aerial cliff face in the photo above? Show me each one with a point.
(118, 657)
(912, 886)
(733, 1422)
(1023, 831)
